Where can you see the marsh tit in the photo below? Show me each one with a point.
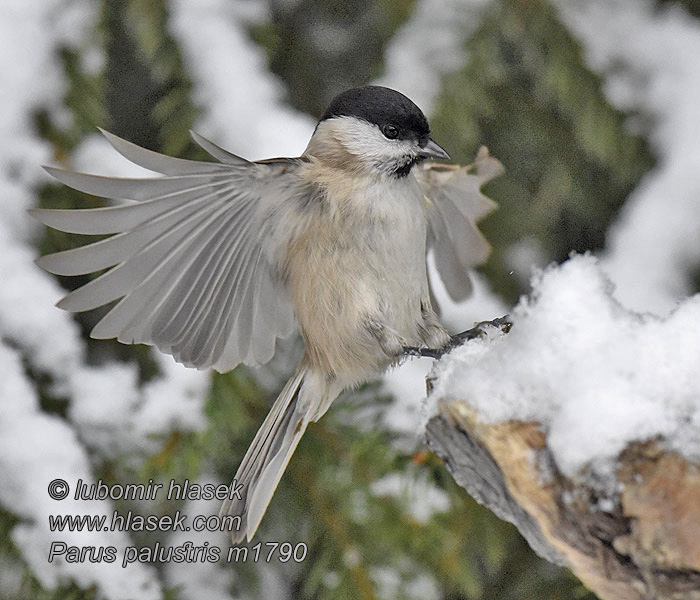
(216, 260)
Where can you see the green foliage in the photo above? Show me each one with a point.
(322, 47)
(691, 6)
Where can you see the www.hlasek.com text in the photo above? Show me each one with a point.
(130, 521)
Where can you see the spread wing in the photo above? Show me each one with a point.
(454, 205)
(187, 259)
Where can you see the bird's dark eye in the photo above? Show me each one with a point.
(390, 131)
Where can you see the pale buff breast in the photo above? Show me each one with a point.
(362, 256)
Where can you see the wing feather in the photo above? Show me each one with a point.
(187, 263)
(116, 219)
(192, 299)
(205, 331)
(111, 251)
(160, 163)
(454, 205)
(193, 292)
(225, 297)
(216, 152)
(134, 189)
(130, 320)
(126, 276)
(264, 320)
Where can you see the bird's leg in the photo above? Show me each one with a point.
(391, 343)
(479, 330)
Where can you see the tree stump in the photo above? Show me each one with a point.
(643, 544)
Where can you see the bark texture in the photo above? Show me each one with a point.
(643, 544)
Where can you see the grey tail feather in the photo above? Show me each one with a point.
(266, 459)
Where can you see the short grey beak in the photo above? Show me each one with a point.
(432, 150)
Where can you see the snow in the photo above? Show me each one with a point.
(591, 364)
(594, 374)
(417, 495)
(95, 154)
(429, 46)
(118, 418)
(653, 70)
(36, 448)
(409, 582)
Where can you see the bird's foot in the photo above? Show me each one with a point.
(479, 330)
(422, 351)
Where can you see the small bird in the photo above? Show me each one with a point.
(216, 260)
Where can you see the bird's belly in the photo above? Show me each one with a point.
(341, 278)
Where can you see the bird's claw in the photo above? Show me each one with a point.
(480, 330)
(422, 351)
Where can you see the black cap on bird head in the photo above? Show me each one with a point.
(385, 108)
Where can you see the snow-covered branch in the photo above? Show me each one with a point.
(581, 427)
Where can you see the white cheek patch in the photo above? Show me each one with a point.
(365, 141)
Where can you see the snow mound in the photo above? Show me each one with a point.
(595, 375)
